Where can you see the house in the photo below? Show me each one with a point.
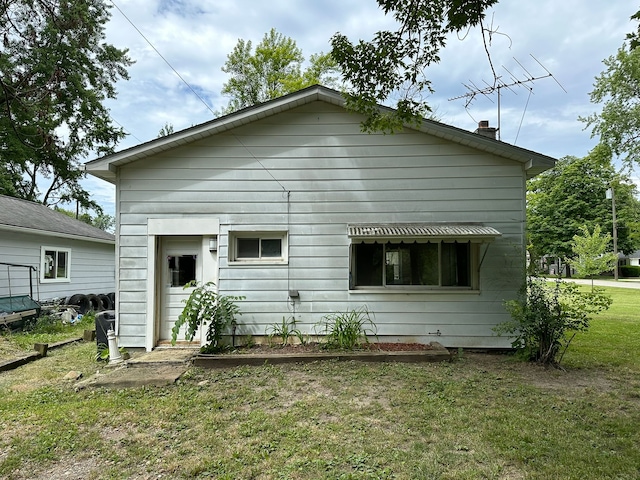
(47, 255)
(633, 259)
(289, 204)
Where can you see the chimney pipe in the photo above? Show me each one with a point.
(485, 130)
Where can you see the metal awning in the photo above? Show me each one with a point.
(474, 232)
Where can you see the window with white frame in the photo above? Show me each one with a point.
(412, 256)
(260, 247)
(55, 264)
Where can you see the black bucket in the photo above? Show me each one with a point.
(104, 321)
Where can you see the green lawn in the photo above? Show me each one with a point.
(481, 417)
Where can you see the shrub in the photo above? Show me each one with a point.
(345, 331)
(203, 306)
(546, 317)
(630, 271)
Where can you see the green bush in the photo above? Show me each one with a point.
(546, 317)
(630, 271)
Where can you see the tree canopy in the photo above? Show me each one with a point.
(272, 70)
(102, 221)
(572, 195)
(617, 88)
(55, 72)
(392, 64)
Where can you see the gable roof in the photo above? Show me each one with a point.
(105, 167)
(21, 215)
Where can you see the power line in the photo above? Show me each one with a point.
(165, 60)
(200, 98)
(123, 128)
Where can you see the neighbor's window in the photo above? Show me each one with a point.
(391, 264)
(257, 246)
(55, 264)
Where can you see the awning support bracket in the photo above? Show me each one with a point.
(483, 256)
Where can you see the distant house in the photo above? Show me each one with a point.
(633, 259)
(46, 254)
(291, 205)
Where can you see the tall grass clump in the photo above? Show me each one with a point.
(347, 330)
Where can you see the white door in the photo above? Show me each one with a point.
(181, 263)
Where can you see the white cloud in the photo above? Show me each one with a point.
(570, 38)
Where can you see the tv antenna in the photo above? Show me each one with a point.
(498, 84)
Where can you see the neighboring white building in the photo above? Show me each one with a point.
(633, 259)
(47, 255)
(289, 204)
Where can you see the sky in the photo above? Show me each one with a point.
(533, 39)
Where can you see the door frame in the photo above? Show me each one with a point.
(175, 245)
(204, 227)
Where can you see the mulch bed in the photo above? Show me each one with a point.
(318, 348)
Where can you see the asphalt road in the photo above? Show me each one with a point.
(626, 283)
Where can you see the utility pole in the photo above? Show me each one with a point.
(611, 194)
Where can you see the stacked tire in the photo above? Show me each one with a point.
(91, 302)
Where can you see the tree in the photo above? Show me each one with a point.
(634, 37)
(273, 70)
(618, 89)
(102, 221)
(166, 130)
(590, 255)
(573, 194)
(55, 71)
(393, 63)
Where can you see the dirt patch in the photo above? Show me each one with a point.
(552, 379)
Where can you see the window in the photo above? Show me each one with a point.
(182, 269)
(263, 247)
(55, 264)
(417, 256)
(395, 264)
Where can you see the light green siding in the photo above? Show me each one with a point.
(310, 171)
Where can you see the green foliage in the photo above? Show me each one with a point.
(630, 271)
(102, 221)
(273, 70)
(48, 329)
(166, 130)
(571, 195)
(56, 70)
(48, 324)
(617, 88)
(347, 330)
(392, 64)
(102, 354)
(634, 37)
(545, 319)
(284, 331)
(203, 306)
(590, 253)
